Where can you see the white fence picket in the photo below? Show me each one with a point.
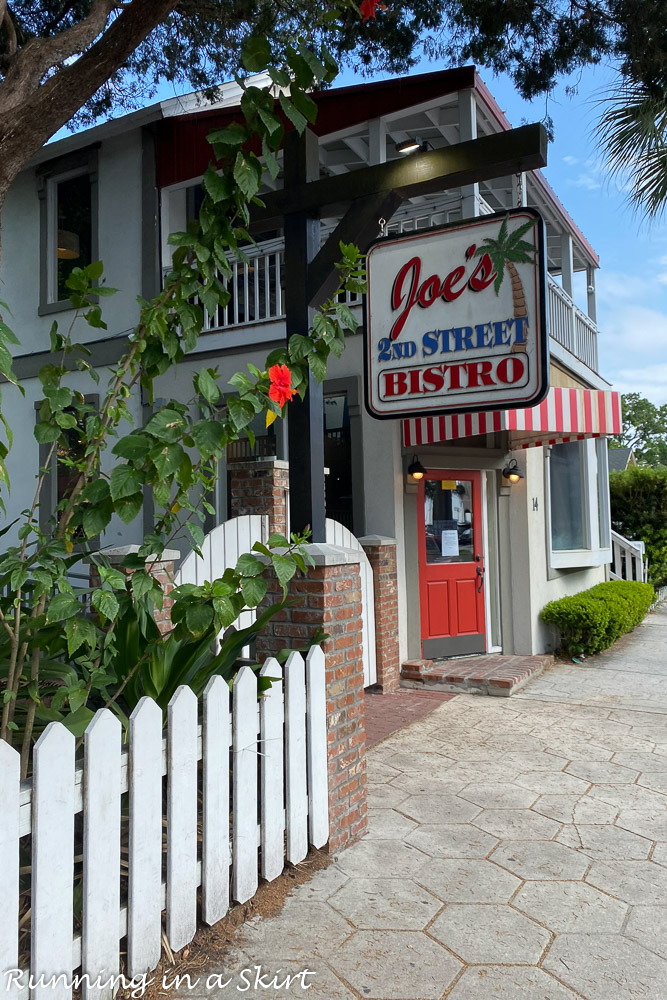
(45, 807)
(295, 759)
(144, 920)
(244, 775)
(101, 855)
(182, 818)
(10, 776)
(272, 716)
(316, 742)
(52, 903)
(338, 534)
(216, 739)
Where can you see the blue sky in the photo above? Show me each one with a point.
(632, 280)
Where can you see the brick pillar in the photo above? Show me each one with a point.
(331, 598)
(261, 487)
(163, 571)
(381, 554)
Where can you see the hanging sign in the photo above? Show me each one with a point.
(456, 318)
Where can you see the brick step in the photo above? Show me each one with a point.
(491, 675)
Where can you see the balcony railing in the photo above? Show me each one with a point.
(571, 327)
(257, 295)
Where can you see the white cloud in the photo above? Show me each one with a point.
(570, 160)
(586, 181)
(649, 382)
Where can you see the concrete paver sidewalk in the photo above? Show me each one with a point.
(517, 851)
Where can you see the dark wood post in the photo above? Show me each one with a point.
(305, 422)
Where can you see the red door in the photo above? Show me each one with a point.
(451, 566)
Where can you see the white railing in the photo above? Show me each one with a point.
(571, 327)
(260, 795)
(338, 534)
(257, 295)
(628, 559)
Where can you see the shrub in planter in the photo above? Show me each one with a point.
(594, 619)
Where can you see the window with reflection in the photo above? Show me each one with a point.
(448, 519)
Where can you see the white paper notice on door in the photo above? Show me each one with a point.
(450, 543)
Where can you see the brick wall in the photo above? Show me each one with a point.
(260, 487)
(330, 597)
(163, 571)
(381, 554)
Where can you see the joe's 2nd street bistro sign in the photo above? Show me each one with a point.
(456, 318)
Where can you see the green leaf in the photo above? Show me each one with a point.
(142, 582)
(207, 385)
(249, 565)
(248, 174)
(217, 187)
(253, 589)
(46, 433)
(167, 459)
(299, 346)
(78, 632)
(306, 105)
(227, 609)
(106, 603)
(125, 482)
(128, 508)
(285, 568)
(209, 437)
(198, 618)
(241, 411)
(96, 491)
(167, 425)
(95, 519)
(132, 447)
(62, 606)
(228, 138)
(196, 533)
(318, 366)
(256, 54)
(297, 119)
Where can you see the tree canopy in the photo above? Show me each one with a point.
(644, 429)
(60, 59)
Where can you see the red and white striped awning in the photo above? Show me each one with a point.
(565, 415)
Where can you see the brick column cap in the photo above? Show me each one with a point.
(370, 541)
(259, 463)
(118, 553)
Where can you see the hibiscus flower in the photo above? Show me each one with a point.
(281, 384)
(368, 8)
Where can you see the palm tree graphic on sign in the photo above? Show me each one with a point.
(505, 251)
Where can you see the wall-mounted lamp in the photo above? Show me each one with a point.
(416, 469)
(512, 473)
(413, 145)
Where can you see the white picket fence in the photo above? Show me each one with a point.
(278, 808)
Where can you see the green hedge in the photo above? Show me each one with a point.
(594, 619)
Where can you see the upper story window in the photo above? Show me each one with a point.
(578, 489)
(68, 193)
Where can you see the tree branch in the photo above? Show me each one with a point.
(28, 68)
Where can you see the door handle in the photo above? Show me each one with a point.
(480, 574)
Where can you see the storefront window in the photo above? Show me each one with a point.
(579, 529)
(567, 498)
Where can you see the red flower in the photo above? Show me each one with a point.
(367, 9)
(281, 384)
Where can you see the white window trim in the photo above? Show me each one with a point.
(592, 553)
